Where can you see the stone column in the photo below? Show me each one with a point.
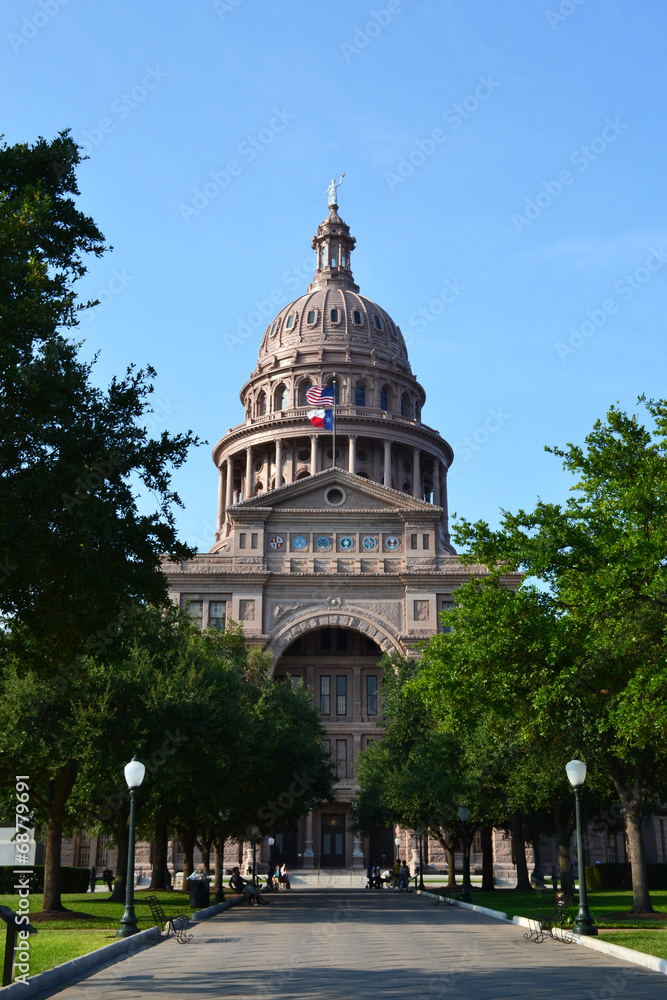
(230, 483)
(387, 462)
(352, 454)
(313, 454)
(279, 462)
(221, 497)
(248, 491)
(416, 475)
(443, 502)
(308, 853)
(436, 482)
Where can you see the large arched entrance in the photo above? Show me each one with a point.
(339, 665)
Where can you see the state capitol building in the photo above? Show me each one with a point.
(329, 559)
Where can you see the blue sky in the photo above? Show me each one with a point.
(505, 180)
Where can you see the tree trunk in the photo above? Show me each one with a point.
(565, 821)
(488, 881)
(632, 801)
(161, 835)
(188, 835)
(123, 839)
(519, 852)
(204, 845)
(61, 790)
(445, 841)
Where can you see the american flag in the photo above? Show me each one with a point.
(317, 396)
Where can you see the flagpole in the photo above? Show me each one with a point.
(333, 461)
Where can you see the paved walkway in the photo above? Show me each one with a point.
(340, 945)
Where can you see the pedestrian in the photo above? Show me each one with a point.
(107, 876)
(284, 876)
(93, 878)
(394, 877)
(403, 877)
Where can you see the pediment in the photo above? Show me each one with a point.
(318, 492)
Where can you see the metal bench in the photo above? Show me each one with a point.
(541, 925)
(177, 925)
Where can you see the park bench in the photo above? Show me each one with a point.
(541, 925)
(178, 925)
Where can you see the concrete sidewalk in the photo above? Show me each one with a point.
(340, 945)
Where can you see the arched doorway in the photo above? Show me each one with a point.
(339, 665)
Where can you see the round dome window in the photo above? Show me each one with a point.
(334, 496)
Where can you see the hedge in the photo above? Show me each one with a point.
(618, 876)
(71, 879)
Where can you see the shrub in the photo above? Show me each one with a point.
(73, 879)
(618, 876)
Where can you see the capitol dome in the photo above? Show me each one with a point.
(333, 315)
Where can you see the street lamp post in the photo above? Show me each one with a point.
(397, 842)
(464, 816)
(219, 890)
(255, 833)
(584, 925)
(269, 883)
(134, 775)
(420, 834)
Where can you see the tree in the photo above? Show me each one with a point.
(602, 558)
(78, 556)
(76, 551)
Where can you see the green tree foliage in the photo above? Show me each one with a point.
(602, 558)
(74, 547)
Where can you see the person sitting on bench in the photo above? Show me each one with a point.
(239, 884)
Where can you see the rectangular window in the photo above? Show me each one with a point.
(216, 615)
(372, 694)
(242, 540)
(413, 541)
(424, 541)
(253, 540)
(325, 695)
(103, 851)
(83, 853)
(341, 759)
(327, 749)
(193, 608)
(341, 696)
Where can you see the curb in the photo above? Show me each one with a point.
(109, 954)
(213, 911)
(651, 962)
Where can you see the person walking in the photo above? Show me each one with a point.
(93, 878)
(403, 877)
(284, 877)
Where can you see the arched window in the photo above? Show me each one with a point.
(360, 394)
(384, 398)
(336, 391)
(405, 405)
(280, 398)
(260, 407)
(303, 389)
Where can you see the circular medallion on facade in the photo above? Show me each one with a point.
(392, 543)
(346, 542)
(369, 543)
(276, 542)
(334, 496)
(300, 542)
(323, 542)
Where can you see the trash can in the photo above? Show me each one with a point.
(200, 893)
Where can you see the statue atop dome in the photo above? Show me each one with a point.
(331, 191)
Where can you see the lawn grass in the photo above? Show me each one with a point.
(650, 942)
(58, 941)
(601, 904)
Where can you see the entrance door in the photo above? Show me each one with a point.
(285, 848)
(381, 848)
(332, 854)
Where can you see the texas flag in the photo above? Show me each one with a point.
(321, 418)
